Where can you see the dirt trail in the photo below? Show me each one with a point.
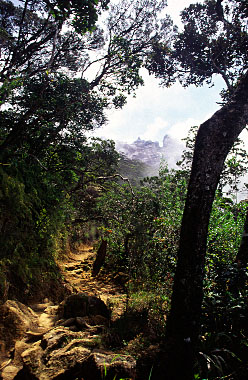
(77, 270)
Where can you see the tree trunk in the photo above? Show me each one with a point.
(100, 258)
(213, 142)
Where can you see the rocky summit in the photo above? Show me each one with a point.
(151, 153)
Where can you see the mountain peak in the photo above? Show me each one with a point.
(150, 152)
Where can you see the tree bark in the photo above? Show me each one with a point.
(213, 142)
(100, 258)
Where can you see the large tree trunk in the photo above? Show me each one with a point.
(100, 257)
(213, 142)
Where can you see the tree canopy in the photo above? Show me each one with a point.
(213, 42)
(45, 65)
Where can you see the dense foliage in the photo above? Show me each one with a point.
(59, 72)
(142, 227)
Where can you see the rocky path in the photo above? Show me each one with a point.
(24, 328)
(77, 272)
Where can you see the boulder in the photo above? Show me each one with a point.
(63, 354)
(15, 320)
(81, 305)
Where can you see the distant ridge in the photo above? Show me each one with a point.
(151, 154)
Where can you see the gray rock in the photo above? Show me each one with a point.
(81, 305)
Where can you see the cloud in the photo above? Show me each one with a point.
(153, 130)
(180, 129)
(157, 111)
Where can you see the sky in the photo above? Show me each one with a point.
(157, 111)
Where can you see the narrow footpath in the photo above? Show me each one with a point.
(77, 273)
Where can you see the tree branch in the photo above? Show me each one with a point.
(125, 179)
